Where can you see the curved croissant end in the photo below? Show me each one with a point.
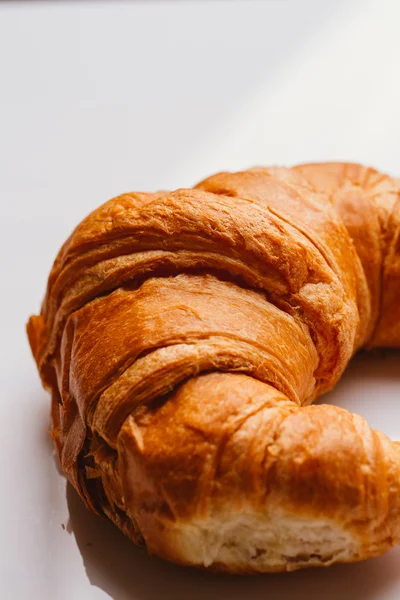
(183, 337)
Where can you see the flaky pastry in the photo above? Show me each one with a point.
(184, 336)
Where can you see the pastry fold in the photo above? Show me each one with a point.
(184, 336)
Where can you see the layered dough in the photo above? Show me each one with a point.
(183, 337)
(249, 481)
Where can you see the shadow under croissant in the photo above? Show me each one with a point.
(125, 572)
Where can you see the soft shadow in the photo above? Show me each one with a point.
(124, 572)
(370, 387)
(377, 364)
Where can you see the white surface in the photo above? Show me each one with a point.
(96, 99)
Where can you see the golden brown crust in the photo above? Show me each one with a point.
(183, 335)
(243, 444)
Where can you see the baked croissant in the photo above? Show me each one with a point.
(183, 337)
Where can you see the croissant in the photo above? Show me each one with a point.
(183, 337)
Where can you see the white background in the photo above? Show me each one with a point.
(101, 98)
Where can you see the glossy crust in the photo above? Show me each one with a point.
(183, 337)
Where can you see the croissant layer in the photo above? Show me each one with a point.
(184, 336)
